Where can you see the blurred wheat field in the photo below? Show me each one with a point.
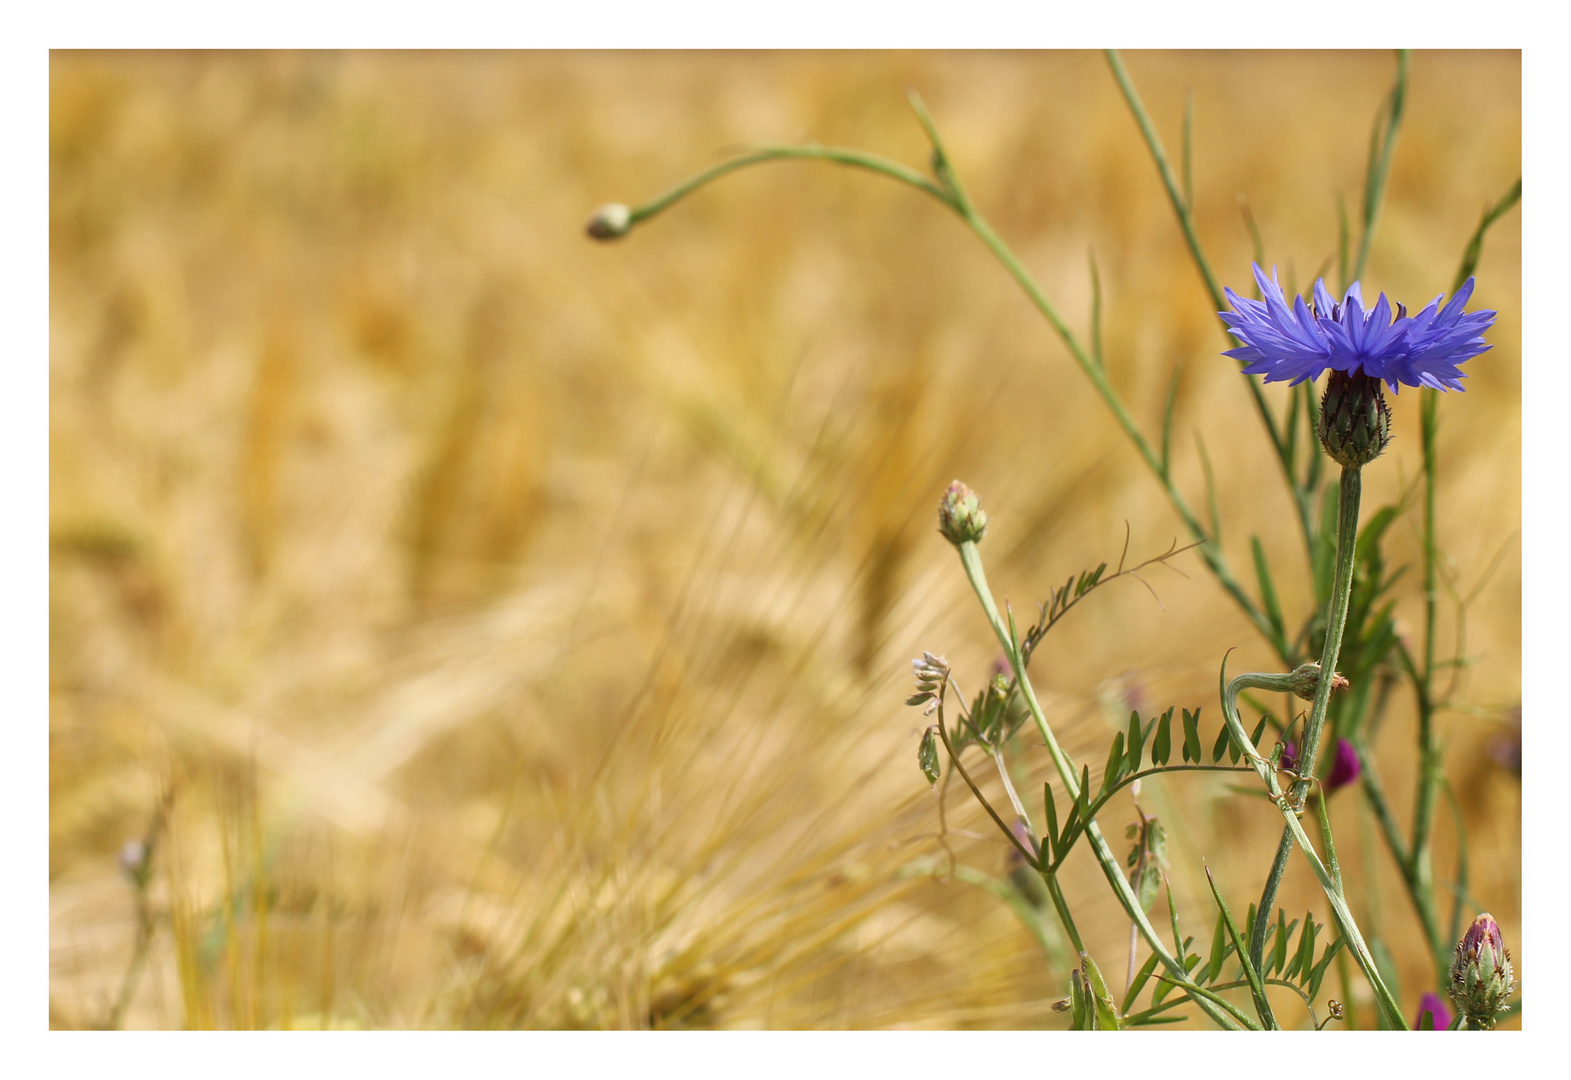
(508, 630)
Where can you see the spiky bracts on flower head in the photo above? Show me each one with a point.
(1481, 977)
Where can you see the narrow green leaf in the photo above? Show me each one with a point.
(1371, 531)
(1284, 930)
(1211, 505)
(1162, 745)
(1382, 142)
(1220, 747)
(1385, 964)
(1083, 803)
(1307, 946)
(1153, 1021)
(1290, 436)
(1260, 730)
(1256, 987)
(1161, 991)
(1134, 743)
(927, 756)
(1179, 945)
(1156, 841)
(1341, 240)
(1296, 964)
(1079, 1010)
(1167, 419)
(1139, 984)
(1325, 544)
(1316, 458)
(1150, 878)
(1219, 950)
(1460, 824)
(1101, 997)
(1115, 764)
(1050, 811)
(1273, 607)
(1192, 736)
(1320, 969)
(1187, 156)
(1475, 246)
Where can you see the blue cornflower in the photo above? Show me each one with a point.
(1291, 344)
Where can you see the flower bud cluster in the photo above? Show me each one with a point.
(961, 518)
(1481, 977)
(931, 671)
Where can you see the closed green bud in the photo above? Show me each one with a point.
(610, 221)
(1481, 978)
(1306, 680)
(1355, 421)
(960, 516)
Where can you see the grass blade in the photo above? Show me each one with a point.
(1256, 987)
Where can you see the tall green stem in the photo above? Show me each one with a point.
(971, 560)
(1309, 752)
(1289, 809)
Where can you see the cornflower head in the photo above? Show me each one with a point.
(1361, 348)
(1292, 343)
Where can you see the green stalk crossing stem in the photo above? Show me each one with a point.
(1295, 832)
(971, 560)
(952, 195)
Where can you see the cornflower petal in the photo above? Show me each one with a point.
(1323, 302)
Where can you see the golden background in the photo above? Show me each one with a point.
(516, 627)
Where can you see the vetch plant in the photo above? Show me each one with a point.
(1343, 657)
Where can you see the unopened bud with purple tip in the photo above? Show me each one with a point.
(960, 516)
(1481, 977)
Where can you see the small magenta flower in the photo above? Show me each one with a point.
(1345, 766)
(1440, 1016)
(1294, 343)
